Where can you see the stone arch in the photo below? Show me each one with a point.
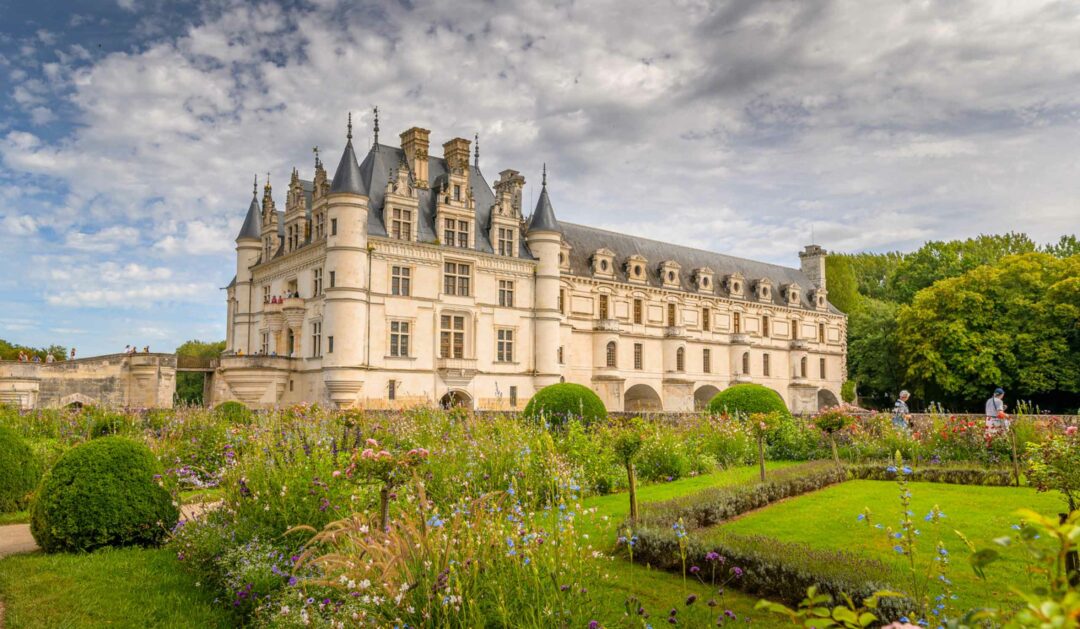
(76, 401)
(456, 398)
(641, 397)
(826, 398)
(704, 395)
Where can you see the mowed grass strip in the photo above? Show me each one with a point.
(829, 519)
(130, 587)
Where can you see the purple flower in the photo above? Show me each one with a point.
(712, 555)
(694, 570)
(730, 614)
(594, 624)
(737, 571)
(690, 599)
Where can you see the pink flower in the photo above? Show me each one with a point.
(336, 473)
(368, 453)
(1070, 431)
(412, 452)
(372, 443)
(383, 454)
(423, 452)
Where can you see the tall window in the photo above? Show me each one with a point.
(456, 279)
(316, 280)
(560, 354)
(456, 233)
(639, 356)
(821, 333)
(329, 345)
(452, 336)
(513, 397)
(706, 361)
(504, 348)
(638, 308)
(316, 339)
(400, 334)
(765, 326)
(671, 315)
(401, 224)
(746, 363)
(457, 192)
(333, 227)
(320, 225)
(266, 294)
(737, 323)
(603, 306)
(765, 365)
(680, 359)
(562, 301)
(610, 358)
(265, 345)
(802, 367)
(400, 280)
(705, 322)
(506, 241)
(506, 293)
(391, 390)
(332, 279)
(794, 329)
(821, 367)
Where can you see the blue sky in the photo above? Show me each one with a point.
(130, 130)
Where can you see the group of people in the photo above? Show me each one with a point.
(279, 299)
(131, 349)
(27, 358)
(996, 419)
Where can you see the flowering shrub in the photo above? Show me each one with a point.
(1055, 464)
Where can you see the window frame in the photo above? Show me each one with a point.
(452, 339)
(455, 281)
(506, 293)
(400, 280)
(400, 338)
(401, 223)
(504, 345)
(639, 356)
(611, 355)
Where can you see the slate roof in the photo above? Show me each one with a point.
(543, 217)
(347, 177)
(585, 241)
(252, 227)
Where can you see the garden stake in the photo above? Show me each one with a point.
(1016, 464)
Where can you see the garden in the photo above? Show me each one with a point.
(558, 517)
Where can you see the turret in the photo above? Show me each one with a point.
(545, 242)
(812, 261)
(248, 247)
(346, 275)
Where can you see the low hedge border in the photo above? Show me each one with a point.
(992, 477)
(770, 568)
(715, 505)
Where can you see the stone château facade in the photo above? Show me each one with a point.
(406, 280)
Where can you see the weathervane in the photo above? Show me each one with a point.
(376, 127)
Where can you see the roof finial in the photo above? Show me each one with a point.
(255, 186)
(544, 181)
(315, 150)
(267, 186)
(348, 135)
(476, 150)
(376, 127)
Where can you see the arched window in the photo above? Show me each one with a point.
(611, 354)
(802, 367)
(746, 363)
(680, 359)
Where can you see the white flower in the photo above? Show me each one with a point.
(284, 610)
(365, 584)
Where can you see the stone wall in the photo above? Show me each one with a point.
(119, 380)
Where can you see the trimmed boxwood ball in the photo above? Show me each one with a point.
(19, 471)
(557, 403)
(102, 493)
(235, 412)
(746, 399)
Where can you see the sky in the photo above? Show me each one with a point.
(130, 130)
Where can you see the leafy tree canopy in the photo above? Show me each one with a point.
(201, 349)
(10, 351)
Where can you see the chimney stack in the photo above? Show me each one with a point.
(414, 143)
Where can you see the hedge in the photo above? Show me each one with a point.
(558, 403)
(104, 492)
(717, 504)
(778, 570)
(19, 471)
(746, 399)
(992, 477)
(233, 411)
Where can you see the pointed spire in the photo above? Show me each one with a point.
(376, 144)
(315, 150)
(543, 217)
(347, 177)
(476, 151)
(253, 221)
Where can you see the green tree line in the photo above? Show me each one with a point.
(189, 385)
(952, 320)
(10, 351)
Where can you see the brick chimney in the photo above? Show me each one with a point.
(812, 261)
(415, 144)
(456, 152)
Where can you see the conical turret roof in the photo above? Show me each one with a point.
(543, 217)
(252, 227)
(347, 177)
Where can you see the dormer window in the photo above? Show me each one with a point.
(603, 263)
(735, 284)
(635, 268)
(703, 278)
(763, 289)
(669, 273)
(791, 292)
(819, 298)
(457, 192)
(564, 258)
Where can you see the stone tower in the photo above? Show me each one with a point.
(545, 241)
(248, 247)
(345, 315)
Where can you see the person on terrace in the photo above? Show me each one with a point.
(901, 418)
(996, 418)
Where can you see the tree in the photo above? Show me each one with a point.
(10, 351)
(1011, 324)
(941, 260)
(189, 385)
(872, 354)
(1066, 247)
(843, 286)
(872, 271)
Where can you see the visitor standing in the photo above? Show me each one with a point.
(72, 353)
(995, 411)
(901, 418)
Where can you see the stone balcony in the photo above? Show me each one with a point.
(740, 338)
(741, 378)
(674, 332)
(456, 371)
(800, 345)
(607, 325)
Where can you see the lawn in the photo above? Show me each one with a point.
(120, 588)
(829, 519)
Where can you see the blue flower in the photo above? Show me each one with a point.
(906, 470)
(862, 516)
(899, 549)
(891, 469)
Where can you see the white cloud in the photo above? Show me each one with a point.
(18, 225)
(136, 296)
(107, 240)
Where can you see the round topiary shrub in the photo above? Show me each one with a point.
(19, 471)
(233, 411)
(746, 399)
(557, 403)
(102, 493)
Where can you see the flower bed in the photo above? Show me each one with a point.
(951, 474)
